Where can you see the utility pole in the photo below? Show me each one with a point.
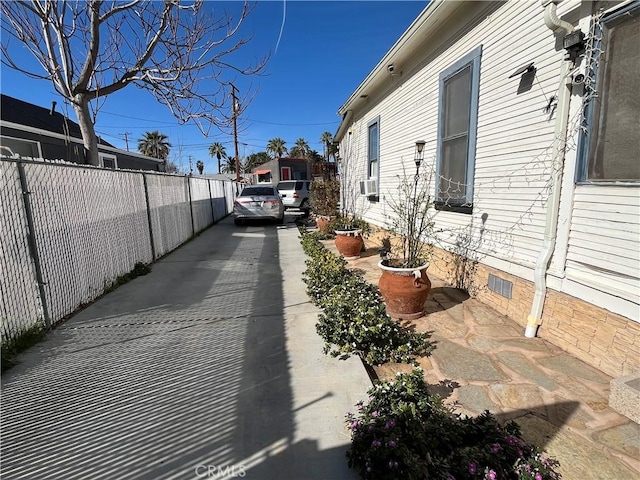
(235, 129)
(126, 139)
(190, 165)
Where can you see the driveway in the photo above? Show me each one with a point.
(208, 367)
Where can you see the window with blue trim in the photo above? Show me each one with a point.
(457, 127)
(609, 142)
(373, 148)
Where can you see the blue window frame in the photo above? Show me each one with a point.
(609, 143)
(457, 129)
(373, 149)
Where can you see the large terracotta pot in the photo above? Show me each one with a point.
(323, 223)
(405, 290)
(349, 243)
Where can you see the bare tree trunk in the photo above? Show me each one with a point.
(89, 139)
(164, 48)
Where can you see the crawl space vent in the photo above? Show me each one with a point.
(500, 286)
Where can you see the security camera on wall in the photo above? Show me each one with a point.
(391, 68)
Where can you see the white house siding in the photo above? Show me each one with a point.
(591, 306)
(604, 244)
(514, 137)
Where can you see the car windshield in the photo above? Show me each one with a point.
(257, 191)
(287, 186)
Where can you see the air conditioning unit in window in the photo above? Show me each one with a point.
(369, 188)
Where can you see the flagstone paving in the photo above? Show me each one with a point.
(484, 362)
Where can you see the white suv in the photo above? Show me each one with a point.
(295, 194)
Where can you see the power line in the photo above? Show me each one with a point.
(335, 122)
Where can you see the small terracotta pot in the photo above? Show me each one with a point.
(405, 290)
(349, 243)
(323, 224)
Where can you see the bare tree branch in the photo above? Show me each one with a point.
(178, 51)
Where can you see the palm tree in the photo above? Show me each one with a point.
(327, 139)
(276, 146)
(216, 149)
(256, 159)
(301, 149)
(200, 166)
(229, 166)
(154, 144)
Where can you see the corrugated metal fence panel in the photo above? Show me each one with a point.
(90, 228)
(170, 211)
(200, 203)
(20, 306)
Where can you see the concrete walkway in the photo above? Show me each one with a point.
(208, 367)
(483, 361)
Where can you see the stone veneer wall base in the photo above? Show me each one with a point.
(602, 339)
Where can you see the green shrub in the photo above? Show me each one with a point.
(403, 432)
(342, 222)
(324, 196)
(354, 320)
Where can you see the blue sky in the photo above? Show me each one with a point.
(318, 58)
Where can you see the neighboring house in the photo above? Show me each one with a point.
(278, 170)
(545, 234)
(30, 131)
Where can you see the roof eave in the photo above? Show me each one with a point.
(399, 53)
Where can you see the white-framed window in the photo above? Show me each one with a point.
(108, 160)
(12, 147)
(457, 128)
(373, 149)
(609, 143)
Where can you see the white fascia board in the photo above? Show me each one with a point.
(436, 11)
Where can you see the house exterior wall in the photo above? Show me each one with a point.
(592, 301)
(300, 169)
(58, 147)
(596, 335)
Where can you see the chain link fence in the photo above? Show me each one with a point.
(68, 232)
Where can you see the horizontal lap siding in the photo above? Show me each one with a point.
(604, 241)
(514, 137)
(513, 150)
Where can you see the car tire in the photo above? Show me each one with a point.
(237, 221)
(305, 207)
(280, 221)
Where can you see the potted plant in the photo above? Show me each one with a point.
(324, 197)
(404, 283)
(349, 231)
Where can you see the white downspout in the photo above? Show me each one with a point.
(551, 18)
(557, 164)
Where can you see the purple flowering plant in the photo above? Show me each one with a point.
(414, 435)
